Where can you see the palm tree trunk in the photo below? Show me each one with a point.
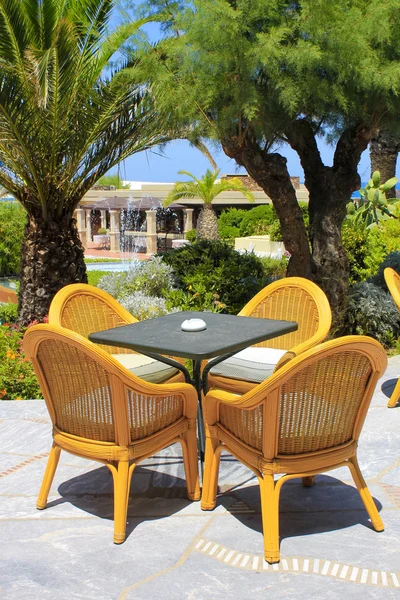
(52, 257)
(383, 151)
(207, 224)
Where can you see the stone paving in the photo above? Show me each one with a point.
(173, 549)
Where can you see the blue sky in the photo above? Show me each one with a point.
(151, 166)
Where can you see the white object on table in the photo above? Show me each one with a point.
(193, 325)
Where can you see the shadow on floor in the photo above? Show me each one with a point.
(329, 505)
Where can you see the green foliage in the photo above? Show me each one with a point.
(112, 180)
(12, 224)
(191, 235)
(274, 268)
(17, 378)
(371, 311)
(8, 312)
(102, 231)
(95, 276)
(367, 247)
(355, 242)
(56, 72)
(258, 220)
(214, 267)
(374, 206)
(229, 222)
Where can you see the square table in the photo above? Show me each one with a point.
(224, 336)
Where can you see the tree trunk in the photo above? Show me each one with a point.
(207, 224)
(330, 189)
(383, 151)
(271, 174)
(52, 257)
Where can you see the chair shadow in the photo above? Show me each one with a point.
(93, 493)
(387, 387)
(330, 505)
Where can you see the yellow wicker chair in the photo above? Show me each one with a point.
(393, 282)
(102, 412)
(291, 299)
(85, 309)
(303, 420)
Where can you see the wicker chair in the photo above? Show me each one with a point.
(304, 420)
(101, 411)
(85, 308)
(393, 282)
(291, 299)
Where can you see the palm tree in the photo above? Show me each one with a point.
(207, 189)
(67, 116)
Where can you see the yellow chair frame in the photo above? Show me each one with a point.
(303, 420)
(84, 308)
(100, 411)
(291, 299)
(392, 279)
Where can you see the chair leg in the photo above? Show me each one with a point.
(366, 497)
(121, 493)
(190, 461)
(210, 477)
(48, 477)
(308, 481)
(394, 398)
(270, 517)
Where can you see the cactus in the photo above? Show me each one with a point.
(373, 205)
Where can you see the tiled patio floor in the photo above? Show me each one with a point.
(173, 549)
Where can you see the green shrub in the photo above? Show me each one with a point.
(191, 235)
(8, 312)
(152, 278)
(144, 307)
(274, 268)
(215, 268)
(354, 239)
(102, 231)
(12, 225)
(382, 240)
(17, 377)
(258, 220)
(371, 311)
(229, 222)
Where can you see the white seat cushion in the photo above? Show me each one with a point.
(153, 371)
(252, 364)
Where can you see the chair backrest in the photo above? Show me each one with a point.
(85, 309)
(293, 299)
(90, 395)
(317, 401)
(392, 279)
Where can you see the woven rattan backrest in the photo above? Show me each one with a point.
(85, 313)
(88, 397)
(320, 403)
(290, 303)
(79, 390)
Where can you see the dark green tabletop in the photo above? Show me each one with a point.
(163, 335)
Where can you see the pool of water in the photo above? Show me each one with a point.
(108, 266)
(9, 282)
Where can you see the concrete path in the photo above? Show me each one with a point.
(173, 549)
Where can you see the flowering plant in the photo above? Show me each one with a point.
(17, 377)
